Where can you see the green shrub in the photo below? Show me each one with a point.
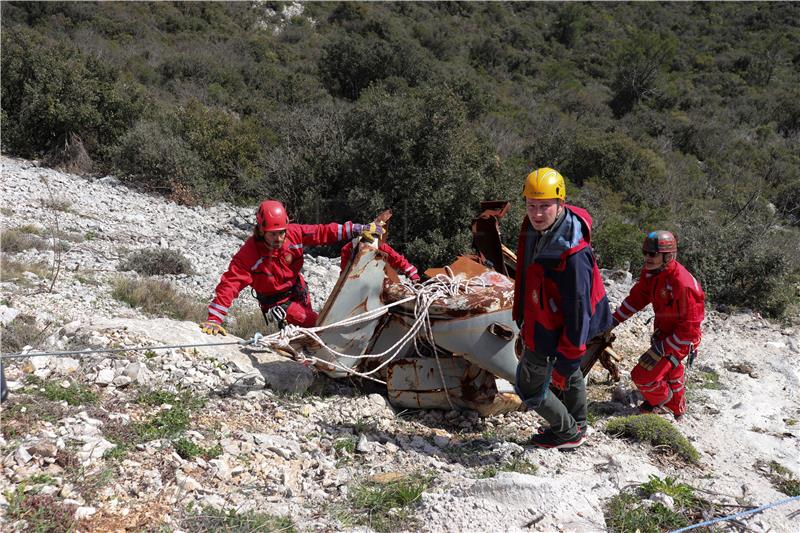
(189, 450)
(157, 261)
(158, 298)
(52, 90)
(653, 430)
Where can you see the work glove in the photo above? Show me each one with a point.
(369, 231)
(415, 277)
(212, 328)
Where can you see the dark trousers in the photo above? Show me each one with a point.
(565, 413)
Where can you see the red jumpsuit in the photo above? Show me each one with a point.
(393, 257)
(275, 274)
(678, 303)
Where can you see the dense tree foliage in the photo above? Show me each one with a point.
(683, 116)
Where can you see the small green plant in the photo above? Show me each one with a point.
(626, 514)
(166, 422)
(41, 479)
(707, 380)
(41, 513)
(149, 354)
(514, 465)
(157, 261)
(347, 444)
(791, 422)
(158, 298)
(209, 519)
(682, 494)
(781, 477)
(189, 450)
(75, 394)
(656, 431)
(386, 506)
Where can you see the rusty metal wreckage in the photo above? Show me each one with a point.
(465, 356)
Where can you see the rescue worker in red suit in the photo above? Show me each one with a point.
(678, 304)
(559, 303)
(395, 259)
(270, 262)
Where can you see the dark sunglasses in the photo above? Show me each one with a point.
(651, 254)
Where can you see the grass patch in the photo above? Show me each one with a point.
(15, 241)
(706, 379)
(158, 298)
(20, 332)
(385, 506)
(156, 262)
(166, 422)
(781, 477)
(655, 431)
(41, 513)
(13, 271)
(21, 415)
(209, 520)
(514, 465)
(245, 323)
(57, 204)
(189, 450)
(75, 394)
(631, 511)
(347, 444)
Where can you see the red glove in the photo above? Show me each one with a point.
(558, 381)
(415, 277)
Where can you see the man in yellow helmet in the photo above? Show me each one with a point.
(559, 302)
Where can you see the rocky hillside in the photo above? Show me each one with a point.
(222, 438)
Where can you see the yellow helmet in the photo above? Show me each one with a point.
(543, 184)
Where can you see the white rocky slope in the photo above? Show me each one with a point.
(285, 454)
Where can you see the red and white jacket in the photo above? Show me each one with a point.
(678, 302)
(395, 259)
(272, 272)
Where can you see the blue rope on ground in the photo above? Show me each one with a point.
(737, 515)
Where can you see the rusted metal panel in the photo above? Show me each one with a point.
(486, 235)
(417, 383)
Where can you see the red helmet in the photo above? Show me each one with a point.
(660, 241)
(271, 216)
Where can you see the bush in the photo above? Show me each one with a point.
(19, 333)
(51, 90)
(158, 298)
(156, 262)
(14, 241)
(653, 430)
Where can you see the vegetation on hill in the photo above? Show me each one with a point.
(683, 116)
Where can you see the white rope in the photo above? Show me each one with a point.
(424, 296)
